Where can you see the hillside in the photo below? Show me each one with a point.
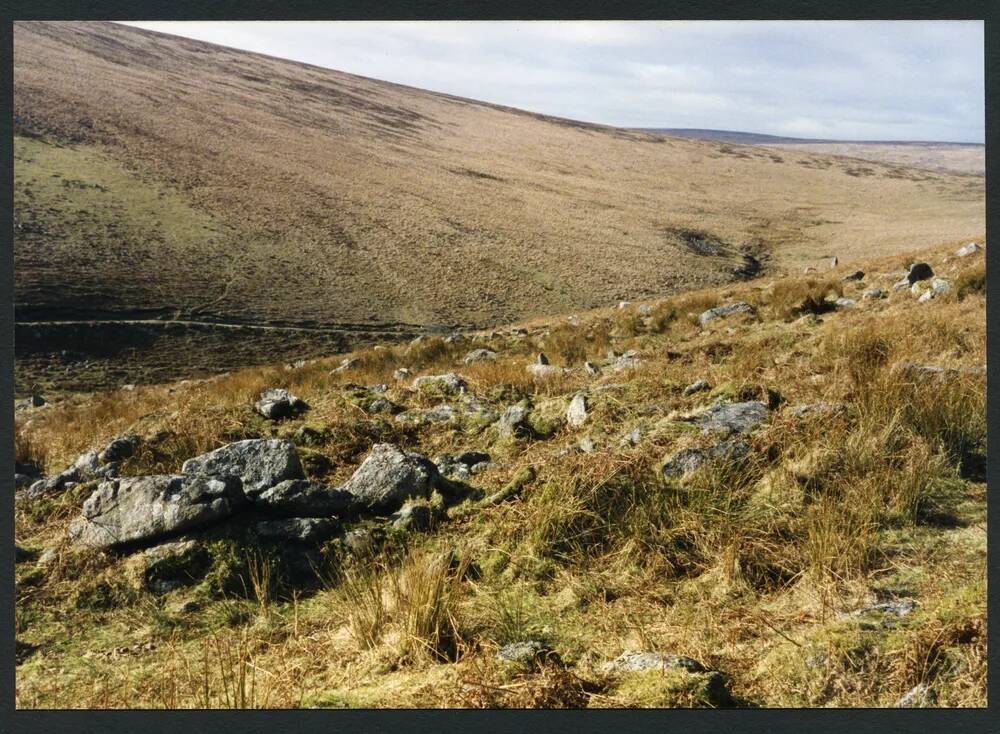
(159, 177)
(779, 507)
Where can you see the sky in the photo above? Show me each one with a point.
(847, 80)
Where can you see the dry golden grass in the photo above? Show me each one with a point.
(746, 568)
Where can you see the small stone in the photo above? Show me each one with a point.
(449, 384)
(480, 355)
(514, 422)
(632, 438)
(856, 275)
(873, 293)
(920, 696)
(629, 360)
(720, 311)
(277, 403)
(696, 386)
(401, 374)
(624, 304)
(527, 652)
(541, 358)
(576, 414)
(636, 662)
(970, 249)
(591, 369)
(845, 303)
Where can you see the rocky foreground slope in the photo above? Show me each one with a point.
(766, 495)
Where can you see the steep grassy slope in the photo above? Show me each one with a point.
(158, 174)
(755, 569)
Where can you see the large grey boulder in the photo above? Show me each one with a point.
(686, 461)
(258, 463)
(302, 498)
(143, 509)
(732, 417)
(719, 311)
(390, 476)
(276, 403)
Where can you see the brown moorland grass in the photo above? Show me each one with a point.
(277, 192)
(754, 569)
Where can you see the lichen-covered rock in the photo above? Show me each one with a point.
(447, 384)
(258, 463)
(513, 422)
(276, 403)
(524, 653)
(480, 355)
(635, 662)
(576, 414)
(303, 498)
(720, 311)
(686, 461)
(389, 476)
(732, 417)
(143, 509)
(696, 386)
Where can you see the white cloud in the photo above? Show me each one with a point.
(851, 79)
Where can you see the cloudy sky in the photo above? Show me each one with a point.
(898, 80)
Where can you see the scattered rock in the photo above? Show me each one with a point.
(635, 662)
(120, 447)
(645, 309)
(632, 438)
(920, 696)
(732, 417)
(629, 360)
(448, 384)
(901, 285)
(413, 517)
(912, 369)
(347, 364)
(277, 403)
(873, 293)
(389, 476)
(686, 461)
(259, 463)
(591, 369)
(720, 311)
(938, 287)
(297, 529)
(401, 374)
(576, 414)
(384, 406)
(856, 275)
(623, 305)
(918, 272)
(141, 509)
(541, 359)
(304, 498)
(833, 262)
(480, 355)
(544, 371)
(696, 386)
(464, 465)
(845, 303)
(514, 422)
(882, 616)
(970, 249)
(525, 653)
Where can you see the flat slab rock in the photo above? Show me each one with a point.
(636, 662)
(277, 403)
(731, 417)
(258, 463)
(389, 476)
(142, 509)
(720, 311)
